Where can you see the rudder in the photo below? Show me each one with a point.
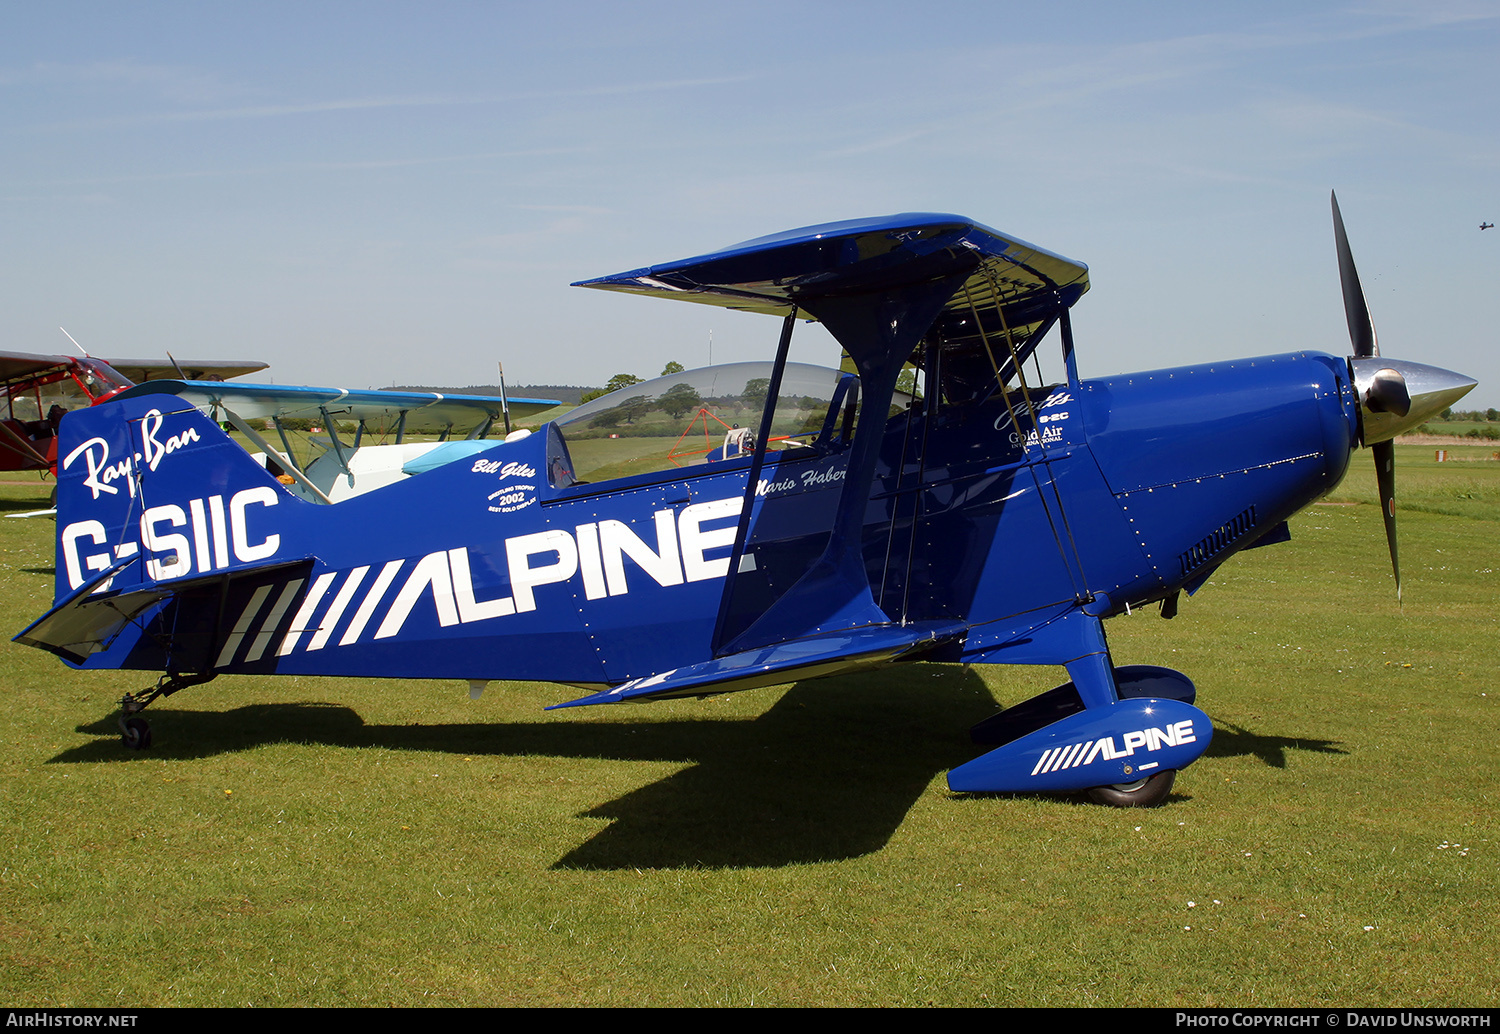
(154, 478)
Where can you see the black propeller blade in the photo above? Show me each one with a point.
(1389, 393)
(1361, 327)
(1385, 477)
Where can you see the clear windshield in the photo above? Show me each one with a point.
(72, 384)
(701, 417)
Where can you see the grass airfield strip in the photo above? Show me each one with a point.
(305, 841)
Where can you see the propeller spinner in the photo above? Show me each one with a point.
(1394, 395)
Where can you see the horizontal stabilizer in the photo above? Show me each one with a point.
(89, 619)
(828, 654)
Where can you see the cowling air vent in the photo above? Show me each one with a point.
(1220, 539)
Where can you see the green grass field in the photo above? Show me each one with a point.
(299, 841)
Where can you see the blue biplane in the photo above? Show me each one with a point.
(937, 500)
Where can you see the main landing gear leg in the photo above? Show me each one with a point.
(135, 730)
(1120, 734)
(1098, 684)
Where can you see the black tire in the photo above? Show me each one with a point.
(137, 733)
(1144, 793)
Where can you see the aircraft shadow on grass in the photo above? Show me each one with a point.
(1232, 740)
(23, 505)
(828, 772)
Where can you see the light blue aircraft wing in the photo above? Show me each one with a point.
(423, 410)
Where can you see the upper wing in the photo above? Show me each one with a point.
(139, 370)
(16, 365)
(1010, 283)
(423, 410)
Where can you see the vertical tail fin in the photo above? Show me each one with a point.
(153, 478)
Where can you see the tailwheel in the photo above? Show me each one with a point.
(135, 730)
(1143, 793)
(137, 733)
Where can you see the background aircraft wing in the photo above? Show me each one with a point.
(424, 410)
(139, 370)
(16, 365)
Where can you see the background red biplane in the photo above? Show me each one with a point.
(40, 389)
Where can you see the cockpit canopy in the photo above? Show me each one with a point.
(35, 387)
(706, 416)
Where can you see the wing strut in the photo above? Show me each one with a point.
(878, 330)
(338, 446)
(931, 375)
(244, 428)
(757, 464)
(504, 403)
(22, 446)
(1082, 592)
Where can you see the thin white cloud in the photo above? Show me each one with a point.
(71, 199)
(267, 111)
(174, 83)
(1429, 12)
(292, 168)
(1312, 117)
(579, 209)
(882, 143)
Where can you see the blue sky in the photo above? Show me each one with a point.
(369, 193)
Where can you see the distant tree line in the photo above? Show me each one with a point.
(1471, 416)
(625, 380)
(1488, 417)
